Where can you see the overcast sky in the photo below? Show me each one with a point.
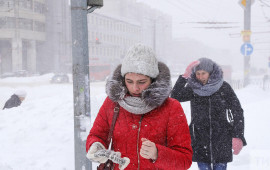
(186, 12)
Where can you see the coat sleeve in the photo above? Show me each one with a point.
(178, 152)
(101, 127)
(238, 114)
(181, 91)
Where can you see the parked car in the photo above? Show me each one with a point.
(19, 73)
(60, 78)
(8, 74)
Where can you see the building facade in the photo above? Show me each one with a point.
(156, 27)
(119, 25)
(109, 37)
(22, 29)
(35, 35)
(56, 53)
(108, 40)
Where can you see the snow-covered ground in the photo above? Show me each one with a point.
(38, 135)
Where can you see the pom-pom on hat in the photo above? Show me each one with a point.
(206, 64)
(20, 93)
(140, 59)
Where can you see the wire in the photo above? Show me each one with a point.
(178, 6)
(214, 7)
(264, 3)
(204, 20)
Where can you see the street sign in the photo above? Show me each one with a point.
(246, 35)
(246, 49)
(246, 38)
(243, 3)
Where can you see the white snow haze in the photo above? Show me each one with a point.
(39, 134)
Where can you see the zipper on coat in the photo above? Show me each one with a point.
(138, 141)
(193, 131)
(210, 118)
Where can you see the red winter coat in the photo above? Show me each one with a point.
(166, 126)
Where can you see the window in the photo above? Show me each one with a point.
(10, 22)
(39, 26)
(25, 24)
(39, 7)
(7, 3)
(25, 4)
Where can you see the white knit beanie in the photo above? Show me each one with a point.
(20, 93)
(140, 59)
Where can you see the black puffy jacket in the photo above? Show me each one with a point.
(215, 120)
(13, 101)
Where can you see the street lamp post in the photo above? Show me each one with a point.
(247, 23)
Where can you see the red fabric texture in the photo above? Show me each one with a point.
(166, 126)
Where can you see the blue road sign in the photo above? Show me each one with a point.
(246, 49)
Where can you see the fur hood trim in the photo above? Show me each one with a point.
(154, 95)
(215, 81)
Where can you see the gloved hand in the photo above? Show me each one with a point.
(237, 145)
(115, 157)
(91, 155)
(189, 69)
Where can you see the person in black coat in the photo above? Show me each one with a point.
(15, 100)
(217, 120)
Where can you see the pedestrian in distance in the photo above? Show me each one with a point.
(217, 120)
(151, 131)
(15, 100)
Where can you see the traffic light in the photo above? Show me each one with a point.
(97, 41)
(95, 3)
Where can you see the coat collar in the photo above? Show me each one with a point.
(215, 81)
(154, 95)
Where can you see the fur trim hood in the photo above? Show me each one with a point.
(215, 81)
(215, 75)
(154, 95)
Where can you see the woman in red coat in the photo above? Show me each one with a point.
(151, 131)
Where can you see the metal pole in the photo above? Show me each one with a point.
(247, 21)
(81, 88)
(155, 24)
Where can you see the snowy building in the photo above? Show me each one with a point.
(155, 26)
(109, 37)
(120, 24)
(56, 52)
(22, 28)
(35, 36)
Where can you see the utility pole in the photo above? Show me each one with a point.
(81, 85)
(155, 34)
(247, 23)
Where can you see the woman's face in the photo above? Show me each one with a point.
(136, 83)
(202, 76)
(22, 98)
